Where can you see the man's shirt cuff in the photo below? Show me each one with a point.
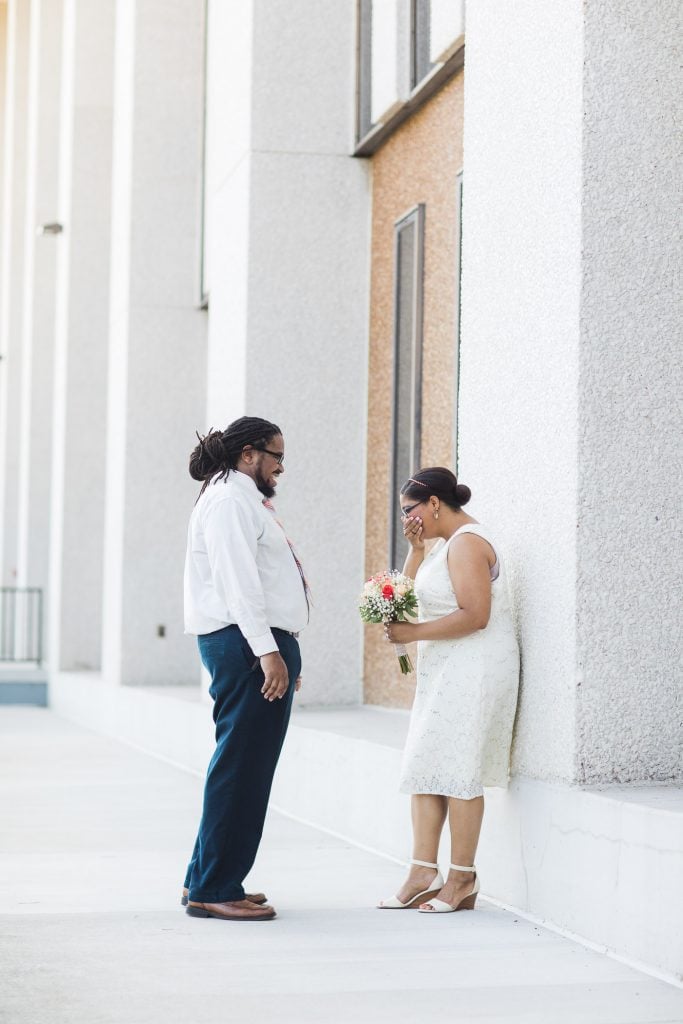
(263, 644)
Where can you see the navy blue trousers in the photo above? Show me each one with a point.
(250, 732)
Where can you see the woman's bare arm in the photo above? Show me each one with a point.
(470, 572)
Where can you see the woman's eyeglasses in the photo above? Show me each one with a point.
(405, 512)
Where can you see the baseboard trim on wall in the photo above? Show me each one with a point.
(20, 692)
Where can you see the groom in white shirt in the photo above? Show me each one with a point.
(246, 599)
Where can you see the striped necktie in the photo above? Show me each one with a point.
(307, 590)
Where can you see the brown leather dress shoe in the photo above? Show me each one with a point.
(254, 897)
(238, 910)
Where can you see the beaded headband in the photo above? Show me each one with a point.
(411, 480)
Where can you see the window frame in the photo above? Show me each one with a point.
(420, 19)
(371, 135)
(415, 215)
(202, 283)
(458, 317)
(364, 123)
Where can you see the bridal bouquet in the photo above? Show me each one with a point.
(389, 597)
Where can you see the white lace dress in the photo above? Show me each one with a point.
(466, 693)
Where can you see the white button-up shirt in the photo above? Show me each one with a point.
(239, 568)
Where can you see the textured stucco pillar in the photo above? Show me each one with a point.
(157, 360)
(78, 435)
(295, 286)
(11, 276)
(38, 295)
(521, 281)
(569, 354)
(630, 480)
(567, 434)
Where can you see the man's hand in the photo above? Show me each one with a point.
(277, 676)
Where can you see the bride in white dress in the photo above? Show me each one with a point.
(466, 692)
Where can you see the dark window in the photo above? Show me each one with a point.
(364, 67)
(420, 33)
(203, 298)
(458, 279)
(407, 384)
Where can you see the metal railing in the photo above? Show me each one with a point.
(21, 624)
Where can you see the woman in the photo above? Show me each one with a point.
(467, 676)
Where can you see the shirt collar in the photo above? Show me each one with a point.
(246, 484)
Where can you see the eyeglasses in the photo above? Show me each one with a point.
(278, 456)
(405, 512)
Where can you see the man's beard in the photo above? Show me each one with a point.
(263, 486)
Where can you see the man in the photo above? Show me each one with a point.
(246, 600)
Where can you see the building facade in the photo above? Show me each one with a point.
(409, 238)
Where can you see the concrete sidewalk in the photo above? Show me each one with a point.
(95, 840)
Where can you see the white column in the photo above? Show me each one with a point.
(4, 56)
(308, 286)
(78, 432)
(157, 359)
(38, 299)
(571, 363)
(520, 338)
(569, 436)
(11, 277)
(228, 170)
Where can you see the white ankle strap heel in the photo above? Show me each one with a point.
(466, 903)
(394, 903)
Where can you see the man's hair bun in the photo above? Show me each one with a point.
(208, 456)
(219, 451)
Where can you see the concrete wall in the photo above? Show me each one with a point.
(301, 310)
(39, 295)
(227, 182)
(308, 288)
(12, 272)
(82, 296)
(5, 123)
(521, 284)
(569, 352)
(3, 94)
(157, 358)
(630, 415)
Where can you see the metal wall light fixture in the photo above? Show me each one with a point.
(50, 229)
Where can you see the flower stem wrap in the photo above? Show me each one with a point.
(403, 658)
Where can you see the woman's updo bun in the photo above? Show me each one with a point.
(440, 482)
(462, 494)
